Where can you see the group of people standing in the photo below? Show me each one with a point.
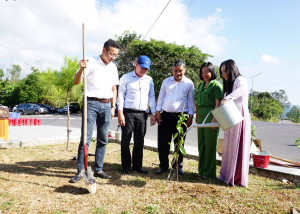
(136, 96)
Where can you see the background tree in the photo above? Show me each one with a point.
(264, 106)
(282, 98)
(162, 55)
(65, 83)
(15, 73)
(1, 74)
(51, 92)
(294, 114)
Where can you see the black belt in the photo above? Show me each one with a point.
(99, 100)
(129, 110)
(174, 114)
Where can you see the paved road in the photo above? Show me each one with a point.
(276, 138)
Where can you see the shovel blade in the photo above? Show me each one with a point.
(89, 180)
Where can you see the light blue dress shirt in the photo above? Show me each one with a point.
(174, 95)
(136, 93)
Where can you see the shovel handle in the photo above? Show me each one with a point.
(84, 101)
(85, 156)
(285, 160)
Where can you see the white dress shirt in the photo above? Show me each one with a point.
(100, 78)
(135, 93)
(173, 95)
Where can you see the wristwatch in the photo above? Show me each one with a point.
(114, 106)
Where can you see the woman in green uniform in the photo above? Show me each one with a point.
(208, 97)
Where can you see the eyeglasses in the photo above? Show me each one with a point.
(113, 55)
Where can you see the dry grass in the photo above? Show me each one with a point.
(35, 180)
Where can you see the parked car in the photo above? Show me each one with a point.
(30, 108)
(72, 109)
(51, 110)
(75, 107)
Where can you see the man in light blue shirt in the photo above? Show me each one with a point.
(136, 92)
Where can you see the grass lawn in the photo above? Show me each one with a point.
(35, 180)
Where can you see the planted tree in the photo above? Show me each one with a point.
(65, 83)
(179, 142)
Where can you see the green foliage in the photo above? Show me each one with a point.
(179, 136)
(1, 74)
(15, 73)
(162, 55)
(294, 114)
(281, 97)
(65, 80)
(253, 132)
(264, 106)
(152, 208)
(47, 87)
(298, 143)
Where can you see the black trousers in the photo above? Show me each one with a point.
(165, 133)
(135, 122)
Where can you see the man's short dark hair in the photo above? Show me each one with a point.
(111, 43)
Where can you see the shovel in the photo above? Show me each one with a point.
(87, 172)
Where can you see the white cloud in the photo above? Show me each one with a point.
(40, 32)
(269, 59)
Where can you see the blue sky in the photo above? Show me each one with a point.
(261, 36)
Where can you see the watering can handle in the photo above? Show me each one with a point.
(206, 117)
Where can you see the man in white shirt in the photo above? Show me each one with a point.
(136, 92)
(101, 80)
(176, 94)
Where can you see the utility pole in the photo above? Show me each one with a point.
(252, 91)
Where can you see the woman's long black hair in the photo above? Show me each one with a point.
(233, 72)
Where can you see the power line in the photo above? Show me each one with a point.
(157, 19)
(174, 21)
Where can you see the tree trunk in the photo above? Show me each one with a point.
(68, 122)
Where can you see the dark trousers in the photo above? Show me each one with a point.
(135, 122)
(165, 133)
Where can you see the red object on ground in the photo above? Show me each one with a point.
(14, 122)
(10, 121)
(26, 121)
(30, 121)
(260, 161)
(19, 121)
(22, 121)
(37, 122)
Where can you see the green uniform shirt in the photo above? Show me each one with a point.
(210, 94)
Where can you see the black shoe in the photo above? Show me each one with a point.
(140, 170)
(76, 178)
(125, 172)
(161, 171)
(180, 171)
(101, 174)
